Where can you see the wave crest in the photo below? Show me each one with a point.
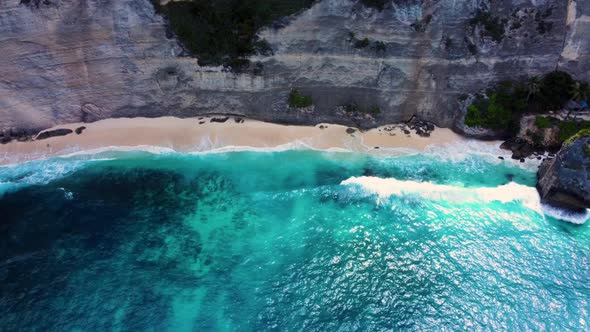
(428, 190)
(511, 192)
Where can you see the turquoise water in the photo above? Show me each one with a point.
(294, 240)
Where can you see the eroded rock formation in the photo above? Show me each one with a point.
(565, 180)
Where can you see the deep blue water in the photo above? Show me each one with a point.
(295, 240)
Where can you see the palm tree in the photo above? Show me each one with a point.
(579, 91)
(533, 87)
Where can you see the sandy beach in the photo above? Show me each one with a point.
(201, 134)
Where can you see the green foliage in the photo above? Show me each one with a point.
(361, 43)
(376, 45)
(587, 148)
(554, 91)
(572, 130)
(224, 32)
(297, 100)
(501, 111)
(543, 122)
(352, 108)
(538, 95)
(580, 134)
(473, 118)
(492, 24)
(567, 129)
(377, 4)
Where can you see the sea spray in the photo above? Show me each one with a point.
(528, 196)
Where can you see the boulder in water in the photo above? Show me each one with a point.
(519, 147)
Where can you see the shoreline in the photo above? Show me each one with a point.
(221, 133)
(201, 135)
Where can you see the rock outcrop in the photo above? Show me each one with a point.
(71, 61)
(565, 180)
(53, 133)
(546, 138)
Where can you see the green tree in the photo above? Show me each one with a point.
(554, 91)
(579, 91)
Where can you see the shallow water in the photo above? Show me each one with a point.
(285, 241)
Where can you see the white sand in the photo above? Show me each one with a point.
(187, 135)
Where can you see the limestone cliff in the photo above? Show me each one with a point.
(82, 60)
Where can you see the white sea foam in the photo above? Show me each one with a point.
(203, 148)
(393, 187)
(101, 151)
(510, 192)
(295, 145)
(574, 218)
(487, 151)
(35, 172)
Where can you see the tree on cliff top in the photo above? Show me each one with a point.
(224, 32)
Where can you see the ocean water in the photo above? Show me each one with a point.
(291, 240)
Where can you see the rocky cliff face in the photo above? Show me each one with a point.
(83, 60)
(565, 180)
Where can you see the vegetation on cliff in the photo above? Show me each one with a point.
(554, 91)
(298, 100)
(376, 45)
(224, 32)
(580, 134)
(493, 25)
(501, 110)
(502, 107)
(353, 108)
(566, 128)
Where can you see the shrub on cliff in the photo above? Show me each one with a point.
(297, 100)
(543, 122)
(494, 27)
(488, 113)
(224, 32)
(580, 134)
(355, 109)
(501, 111)
(361, 43)
(569, 129)
(555, 91)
